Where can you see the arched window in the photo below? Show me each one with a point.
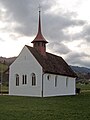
(33, 79)
(56, 81)
(17, 80)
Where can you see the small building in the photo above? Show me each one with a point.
(38, 73)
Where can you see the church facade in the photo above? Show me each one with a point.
(38, 73)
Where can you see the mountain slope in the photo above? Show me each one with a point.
(7, 61)
(80, 69)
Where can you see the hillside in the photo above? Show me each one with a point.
(7, 61)
(80, 69)
(82, 73)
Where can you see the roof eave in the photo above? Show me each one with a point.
(47, 72)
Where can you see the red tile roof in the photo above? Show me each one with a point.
(52, 63)
(39, 38)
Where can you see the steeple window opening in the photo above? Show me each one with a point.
(35, 44)
(43, 44)
(38, 44)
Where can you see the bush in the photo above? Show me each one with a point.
(78, 90)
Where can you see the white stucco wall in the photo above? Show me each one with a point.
(61, 89)
(25, 64)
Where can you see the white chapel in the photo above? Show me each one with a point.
(38, 73)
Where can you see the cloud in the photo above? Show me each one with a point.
(24, 12)
(56, 24)
(81, 59)
(2, 40)
(20, 12)
(58, 48)
(84, 34)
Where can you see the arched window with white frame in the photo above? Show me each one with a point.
(17, 79)
(33, 79)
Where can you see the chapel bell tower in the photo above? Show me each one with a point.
(39, 42)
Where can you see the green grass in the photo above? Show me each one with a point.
(53, 108)
(4, 89)
(84, 87)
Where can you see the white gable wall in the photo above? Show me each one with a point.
(25, 64)
(62, 87)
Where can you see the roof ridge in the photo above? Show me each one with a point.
(53, 54)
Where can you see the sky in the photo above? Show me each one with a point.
(65, 25)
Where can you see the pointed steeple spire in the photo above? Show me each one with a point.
(39, 25)
(39, 42)
(39, 37)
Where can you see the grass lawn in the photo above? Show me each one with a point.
(53, 108)
(84, 87)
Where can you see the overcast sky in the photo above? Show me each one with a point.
(65, 25)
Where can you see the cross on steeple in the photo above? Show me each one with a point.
(39, 8)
